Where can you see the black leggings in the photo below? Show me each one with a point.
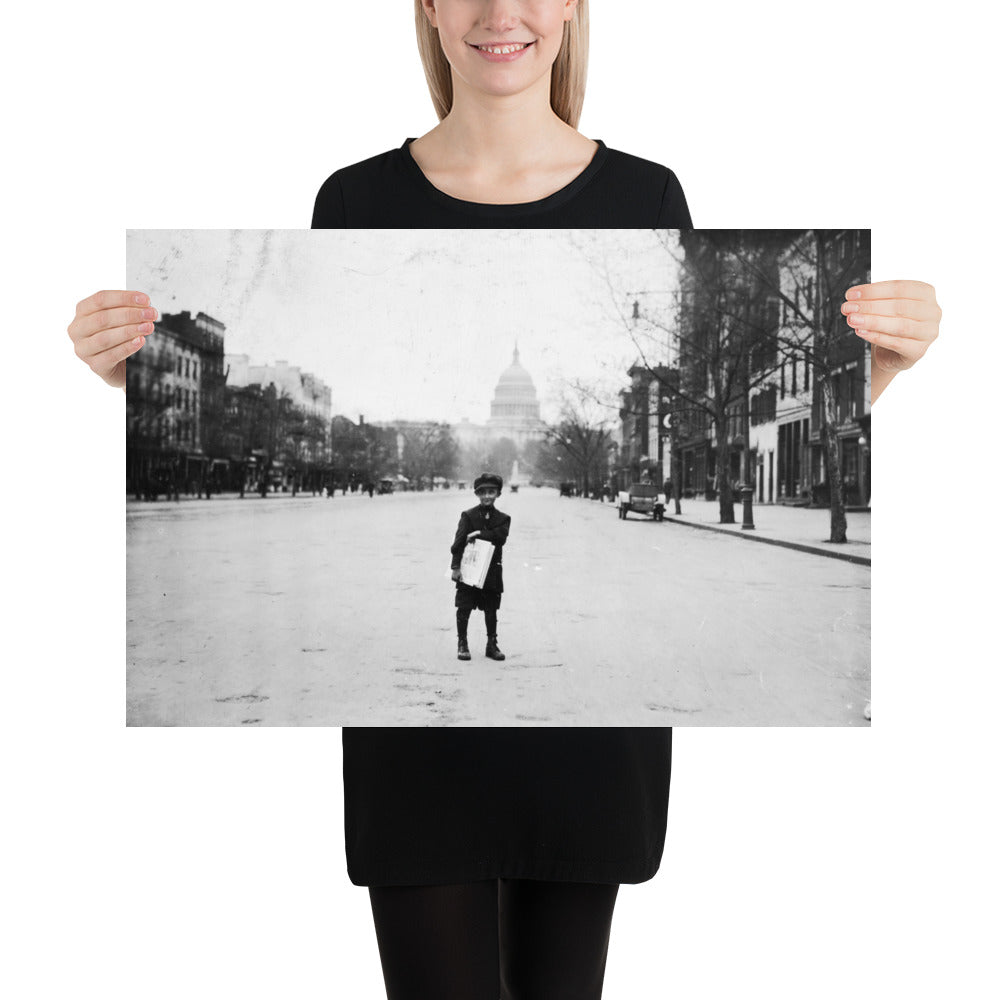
(513, 939)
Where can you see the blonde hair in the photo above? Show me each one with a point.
(569, 71)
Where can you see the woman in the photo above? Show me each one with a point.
(493, 856)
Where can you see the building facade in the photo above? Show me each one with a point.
(308, 393)
(759, 339)
(514, 410)
(284, 416)
(190, 430)
(819, 352)
(175, 400)
(643, 451)
(514, 424)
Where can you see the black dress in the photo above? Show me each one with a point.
(439, 806)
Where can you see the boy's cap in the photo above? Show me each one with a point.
(487, 479)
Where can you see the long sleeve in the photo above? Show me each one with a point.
(674, 212)
(497, 535)
(458, 546)
(328, 210)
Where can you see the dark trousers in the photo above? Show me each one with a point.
(462, 616)
(512, 939)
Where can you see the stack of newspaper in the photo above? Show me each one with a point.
(476, 562)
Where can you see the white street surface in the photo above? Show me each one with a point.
(311, 611)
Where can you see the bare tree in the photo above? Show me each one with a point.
(720, 330)
(816, 267)
(429, 450)
(581, 438)
(748, 304)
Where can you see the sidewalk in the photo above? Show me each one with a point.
(802, 528)
(250, 495)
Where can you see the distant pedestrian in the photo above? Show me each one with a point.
(488, 524)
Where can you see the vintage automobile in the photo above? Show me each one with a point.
(642, 498)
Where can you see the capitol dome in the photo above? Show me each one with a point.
(514, 412)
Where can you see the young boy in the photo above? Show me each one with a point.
(490, 525)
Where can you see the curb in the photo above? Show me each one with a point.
(750, 537)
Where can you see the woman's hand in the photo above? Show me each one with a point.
(900, 319)
(456, 575)
(108, 328)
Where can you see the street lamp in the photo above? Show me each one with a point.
(863, 471)
(746, 494)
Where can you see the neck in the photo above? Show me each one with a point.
(502, 132)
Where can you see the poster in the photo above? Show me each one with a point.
(311, 410)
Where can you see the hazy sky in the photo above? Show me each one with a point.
(415, 324)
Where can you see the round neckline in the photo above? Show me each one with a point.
(516, 208)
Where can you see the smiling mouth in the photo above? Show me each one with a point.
(503, 50)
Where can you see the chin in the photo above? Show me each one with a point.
(499, 80)
(503, 88)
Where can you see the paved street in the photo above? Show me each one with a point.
(313, 611)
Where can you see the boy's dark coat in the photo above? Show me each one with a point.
(493, 526)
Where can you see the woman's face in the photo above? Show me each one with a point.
(500, 47)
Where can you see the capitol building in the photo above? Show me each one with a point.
(514, 411)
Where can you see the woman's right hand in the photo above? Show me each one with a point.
(108, 328)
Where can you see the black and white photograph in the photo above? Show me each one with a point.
(656, 443)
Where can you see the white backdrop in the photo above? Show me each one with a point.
(208, 863)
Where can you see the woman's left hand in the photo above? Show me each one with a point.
(900, 319)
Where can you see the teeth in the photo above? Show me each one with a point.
(502, 50)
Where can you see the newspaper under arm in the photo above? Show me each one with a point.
(476, 561)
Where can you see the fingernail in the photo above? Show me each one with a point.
(851, 308)
(141, 300)
(856, 320)
(149, 314)
(145, 328)
(137, 342)
(854, 293)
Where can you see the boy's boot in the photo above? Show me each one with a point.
(462, 621)
(492, 649)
